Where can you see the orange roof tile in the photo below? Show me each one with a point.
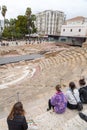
(76, 18)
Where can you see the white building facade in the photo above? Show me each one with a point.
(1, 26)
(49, 22)
(75, 27)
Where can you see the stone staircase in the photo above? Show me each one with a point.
(71, 59)
(63, 67)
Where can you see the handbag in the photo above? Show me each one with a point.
(79, 104)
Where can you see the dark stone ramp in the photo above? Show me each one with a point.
(14, 59)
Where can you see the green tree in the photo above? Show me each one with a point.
(7, 22)
(28, 12)
(12, 28)
(30, 21)
(3, 11)
(7, 33)
(17, 28)
(12, 22)
(28, 15)
(21, 25)
(9, 30)
(33, 19)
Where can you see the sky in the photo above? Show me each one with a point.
(71, 8)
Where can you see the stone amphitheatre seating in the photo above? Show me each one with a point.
(56, 67)
(65, 58)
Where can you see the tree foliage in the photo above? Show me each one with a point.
(3, 12)
(30, 21)
(28, 12)
(20, 26)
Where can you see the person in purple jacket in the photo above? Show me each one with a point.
(58, 102)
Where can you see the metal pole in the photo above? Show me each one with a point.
(18, 96)
(61, 81)
(81, 73)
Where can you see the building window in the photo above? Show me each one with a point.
(63, 40)
(63, 30)
(70, 30)
(79, 30)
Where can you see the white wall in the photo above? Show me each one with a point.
(49, 22)
(74, 30)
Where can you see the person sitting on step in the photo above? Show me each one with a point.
(83, 91)
(72, 96)
(16, 119)
(58, 102)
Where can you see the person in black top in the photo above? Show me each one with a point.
(16, 119)
(83, 90)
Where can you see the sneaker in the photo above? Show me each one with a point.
(83, 116)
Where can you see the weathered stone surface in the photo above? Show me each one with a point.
(35, 81)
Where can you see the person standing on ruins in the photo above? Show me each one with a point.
(58, 102)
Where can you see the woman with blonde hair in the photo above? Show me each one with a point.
(16, 119)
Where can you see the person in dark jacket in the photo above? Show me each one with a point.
(83, 90)
(16, 119)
